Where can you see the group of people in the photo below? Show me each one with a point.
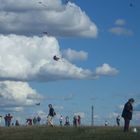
(126, 115)
(66, 122)
(34, 121)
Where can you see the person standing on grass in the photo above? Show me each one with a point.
(38, 119)
(6, 118)
(118, 120)
(79, 120)
(127, 113)
(61, 120)
(9, 119)
(67, 123)
(51, 115)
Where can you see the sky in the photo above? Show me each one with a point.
(97, 42)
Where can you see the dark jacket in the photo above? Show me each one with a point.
(51, 112)
(127, 111)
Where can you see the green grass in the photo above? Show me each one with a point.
(67, 133)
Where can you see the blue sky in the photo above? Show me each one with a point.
(109, 50)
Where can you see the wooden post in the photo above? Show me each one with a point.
(92, 115)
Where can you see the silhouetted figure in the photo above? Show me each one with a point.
(5, 118)
(79, 120)
(9, 119)
(106, 123)
(127, 113)
(29, 121)
(17, 123)
(61, 120)
(67, 123)
(118, 120)
(34, 120)
(38, 120)
(51, 115)
(75, 121)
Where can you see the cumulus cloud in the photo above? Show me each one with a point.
(120, 22)
(106, 69)
(14, 96)
(31, 58)
(52, 16)
(72, 55)
(121, 31)
(12, 109)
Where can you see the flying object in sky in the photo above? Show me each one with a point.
(37, 103)
(131, 4)
(41, 3)
(56, 58)
(46, 33)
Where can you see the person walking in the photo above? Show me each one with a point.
(51, 115)
(127, 113)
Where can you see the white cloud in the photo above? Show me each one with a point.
(31, 58)
(120, 22)
(106, 69)
(42, 114)
(59, 107)
(136, 116)
(29, 17)
(121, 31)
(72, 55)
(113, 115)
(16, 95)
(13, 109)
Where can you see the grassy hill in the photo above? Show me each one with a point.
(66, 133)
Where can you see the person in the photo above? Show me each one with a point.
(51, 115)
(17, 123)
(67, 123)
(79, 120)
(9, 119)
(61, 120)
(6, 118)
(29, 121)
(75, 120)
(34, 120)
(0, 119)
(106, 123)
(127, 113)
(118, 120)
(38, 120)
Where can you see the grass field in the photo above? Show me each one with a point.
(66, 133)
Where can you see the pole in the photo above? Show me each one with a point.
(92, 115)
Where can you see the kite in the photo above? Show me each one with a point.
(45, 33)
(56, 58)
(131, 4)
(37, 103)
